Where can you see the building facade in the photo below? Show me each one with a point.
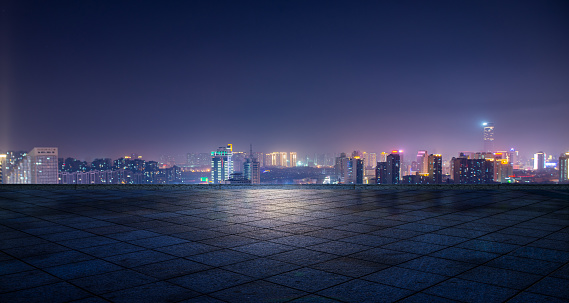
(221, 164)
(564, 168)
(435, 169)
(488, 137)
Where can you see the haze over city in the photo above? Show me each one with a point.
(106, 79)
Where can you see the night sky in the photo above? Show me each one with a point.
(108, 78)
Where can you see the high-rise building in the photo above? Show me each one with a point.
(2, 160)
(488, 137)
(292, 159)
(341, 168)
(393, 174)
(382, 157)
(422, 162)
(370, 160)
(539, 161)
(381, 173)
(221, 164)
(43, 165)
(276, 159)
(435, 169)
(355, 170)
(472, 171)
(16, 168)
(39, 166)
(252, 168)
(564, 168)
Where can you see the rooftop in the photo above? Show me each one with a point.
(237, 244)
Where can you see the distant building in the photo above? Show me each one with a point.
(564, 168)
(381, 173)
(435, 169)
(43, 165)
(472, 171)
(278, 159)
(341, 168)
(370, 160)
(39, 166)
(488, 137)
(292, 159)
(539, 161)
(238, 178)
(393, 174)
(221, 164)
(355, 170)
(382, 157)
(16, 168)
(2, 160)
(422, 162)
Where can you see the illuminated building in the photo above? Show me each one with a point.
(341, 168)
(221, 164)
(422, 162)
(2, 160)
(381, 173)
(488, 137)
(393, 172)
(39, 166)
(43, 165)
(355, 170)
(16, 168)
(370, 160)
(564, 168)
(260, 158)
(382, 157)
(472, 171)
(276, 159)
(292, 159)
(238, 178)
(435, 169)
(252, 168)
(539, 161)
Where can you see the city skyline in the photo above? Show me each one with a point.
(108, 79)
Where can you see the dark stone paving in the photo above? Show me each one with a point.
(279, 245)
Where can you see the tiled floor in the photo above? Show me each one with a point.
(271, 245)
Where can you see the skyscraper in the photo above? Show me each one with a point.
(252, 168)
(292, 159)
(43, 165)
(370, 160)
(39, 166)
(221, 164)
(2, 160)
(539, 161)
(422, 162)
(393, 174)
(488, 137)
(381, 173)
(435, 169)
(564, 168)
(355, 170)
(341, 168)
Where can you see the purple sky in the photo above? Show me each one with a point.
(108, 78)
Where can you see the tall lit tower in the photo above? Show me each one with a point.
(564, 168)
(539, 160)
(221, 164)
(43, 165)
(488, 137)
(423, 161)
